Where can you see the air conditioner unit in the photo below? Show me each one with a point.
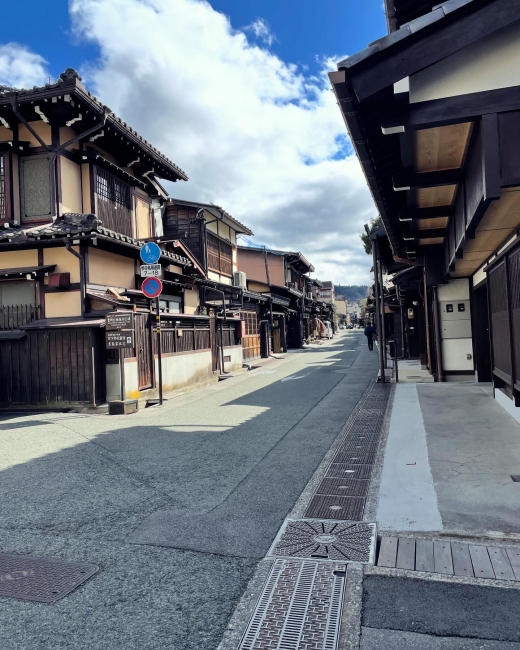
(239, 279)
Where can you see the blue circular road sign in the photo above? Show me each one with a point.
(151, 287)
(150, 253)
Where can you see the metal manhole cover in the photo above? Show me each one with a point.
(343, 470)
(326, 540)
(41, 579)
(336, 507)
(345, 487)
(355, 457)
(300, 607)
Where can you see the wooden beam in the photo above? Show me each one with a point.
(416, 52)
(407, 181)
(452, 110)
(431, 233)
(415, 214)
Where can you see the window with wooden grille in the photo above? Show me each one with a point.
(113, 202)
(251, 322)
(36, 188)
(220, 256)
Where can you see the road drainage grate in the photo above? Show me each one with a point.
(41, 580)
(343, 470)
(352, 457)
(336, 507)
(326, 540)
(344, 487)
(299, 609)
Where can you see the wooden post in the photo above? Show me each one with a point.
(122, 373)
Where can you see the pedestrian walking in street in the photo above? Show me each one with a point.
(370, 333)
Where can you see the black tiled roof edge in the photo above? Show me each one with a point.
(78, 224)
(67, 79)
(438, 13)
(210, 206)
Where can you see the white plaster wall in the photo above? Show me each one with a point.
(493, 62)
(457, 289)
(183, 369)
(237, 358)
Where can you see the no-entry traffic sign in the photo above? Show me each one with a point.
(151, 287)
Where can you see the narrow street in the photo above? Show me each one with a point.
(176, 505)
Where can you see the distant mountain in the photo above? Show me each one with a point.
(352, 292)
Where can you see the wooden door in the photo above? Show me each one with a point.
(143, 344)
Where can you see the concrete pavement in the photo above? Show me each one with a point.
(175, 504)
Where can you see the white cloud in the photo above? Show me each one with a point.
(21, 68)
(261, 30)
(254, 134)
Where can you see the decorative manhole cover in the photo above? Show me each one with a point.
(326, 540)
(300, 607)
(40, 579)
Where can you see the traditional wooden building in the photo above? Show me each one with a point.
(282, 278)
(79, 196)
(433, 110)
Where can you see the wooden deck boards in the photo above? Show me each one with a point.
(450, 558)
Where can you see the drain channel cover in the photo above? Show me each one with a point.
(40, 579)
(345, 541)
(300, 607)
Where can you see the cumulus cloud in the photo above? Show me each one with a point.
(254, 133)
(21, 68)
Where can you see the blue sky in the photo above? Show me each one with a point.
(233, 91)
(302, 29)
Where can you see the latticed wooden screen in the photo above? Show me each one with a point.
(499, 315)
(113, 202)
(514, 292)
(220, 257)
(3, 204)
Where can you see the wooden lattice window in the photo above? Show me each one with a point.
(220, 256)
(251, 322)
(113, 202)
(112, 189)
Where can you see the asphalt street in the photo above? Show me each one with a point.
(175, 504)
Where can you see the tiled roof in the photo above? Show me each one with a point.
(76, 225)
(438, 13)
(70, 81)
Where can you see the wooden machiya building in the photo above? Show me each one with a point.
(287, 311)
(433, 111)
(79, 195)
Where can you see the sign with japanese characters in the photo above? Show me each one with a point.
(151, 270)
(119, 339)
(120, 320)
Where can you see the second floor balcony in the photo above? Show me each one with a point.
(13, 317)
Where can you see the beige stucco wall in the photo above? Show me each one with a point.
(14, 259)
(142, 210)
(191, 301)
(65, 262)
(67, 303)
(175, 269)
(71, 199)
(41, 128)
(493, 62)
(110, 269)
(85, 188)
(259, 287)
(6, 135)
(66, 134)
(341, 307)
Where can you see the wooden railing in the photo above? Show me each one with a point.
(14, 316)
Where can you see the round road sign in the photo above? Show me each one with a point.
(151, 287)
(150, 253)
